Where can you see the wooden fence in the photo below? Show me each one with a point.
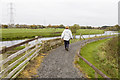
(12, 65)
(11, 47)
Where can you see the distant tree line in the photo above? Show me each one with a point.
(41, 26)
(55, 26)
(73, 28)
(33, 26)
(111, 28)
(24, 26)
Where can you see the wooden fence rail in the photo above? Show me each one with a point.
(97, 71)
(12, 65)
(19, 44)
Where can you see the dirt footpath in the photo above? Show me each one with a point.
(60, 63)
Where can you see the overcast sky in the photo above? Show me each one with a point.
(67, 12)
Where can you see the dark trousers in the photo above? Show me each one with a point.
(66, 43)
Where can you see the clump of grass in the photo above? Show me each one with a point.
(108, 57)
(30, 70)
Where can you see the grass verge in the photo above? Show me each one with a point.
(103, 55)
(89, 52)
(30, 70)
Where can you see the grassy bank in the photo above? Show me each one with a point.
(108, 57)
(15, 34)
(102, 54)
(95, 54)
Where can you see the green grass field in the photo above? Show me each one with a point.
(15, 34)
(89, 52)
(89, 31)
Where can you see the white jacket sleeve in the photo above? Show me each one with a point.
(71, 35)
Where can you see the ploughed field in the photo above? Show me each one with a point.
(16, 34)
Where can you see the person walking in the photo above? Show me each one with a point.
(66, 36)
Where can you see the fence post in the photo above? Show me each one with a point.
(2, 57)
(43, 46)
(95, 35)
(26, 45)
(36, 41)
(89, 35)
(80, 36)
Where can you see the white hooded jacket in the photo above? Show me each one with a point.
(66, 35)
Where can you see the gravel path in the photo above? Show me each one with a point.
(59, 62)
